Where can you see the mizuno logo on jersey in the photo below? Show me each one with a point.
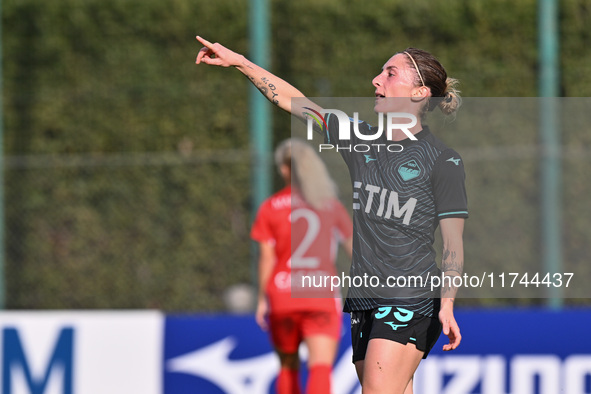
(386, 202)
(454, 160)
(368, 158)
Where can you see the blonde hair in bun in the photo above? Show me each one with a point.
(430, 73)
(451, 97)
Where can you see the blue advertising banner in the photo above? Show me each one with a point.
(503, 351)
(231, 354)
(529, 351)
(513, 351)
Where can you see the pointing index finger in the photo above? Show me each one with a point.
(205, 42)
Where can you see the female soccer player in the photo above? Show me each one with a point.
(399, 200)
(295, 229)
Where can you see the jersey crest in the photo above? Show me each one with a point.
(409, 170)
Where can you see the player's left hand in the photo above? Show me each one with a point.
(261, 314)
(450, 328)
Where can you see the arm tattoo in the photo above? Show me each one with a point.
(450, 263)
(451, 266)
(266, 88)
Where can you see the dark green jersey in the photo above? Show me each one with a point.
(400, 192)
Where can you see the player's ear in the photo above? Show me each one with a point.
(421, 92)
(285, 172)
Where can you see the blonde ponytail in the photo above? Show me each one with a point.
(308, 172)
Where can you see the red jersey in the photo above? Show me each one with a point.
(305, 241)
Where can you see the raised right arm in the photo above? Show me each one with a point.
(275, 89)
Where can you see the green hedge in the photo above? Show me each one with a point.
(127, 172)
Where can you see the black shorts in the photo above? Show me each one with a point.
(395, 324)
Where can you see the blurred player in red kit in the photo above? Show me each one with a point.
(298, 230)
